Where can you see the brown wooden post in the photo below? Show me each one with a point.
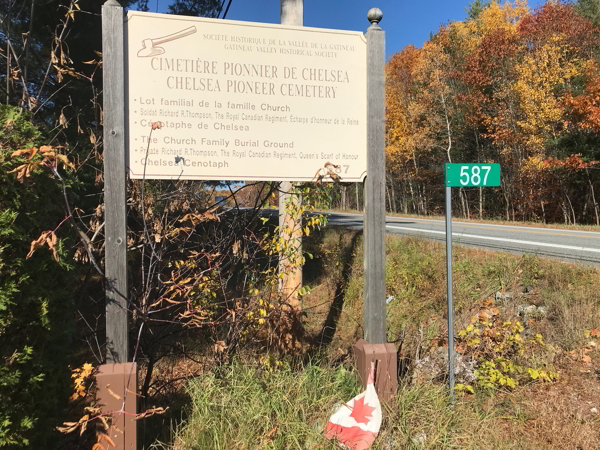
(116, 394)
(385, 358)
(115, 207)
(292, 13)
(375, 317)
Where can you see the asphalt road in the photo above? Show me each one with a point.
(581, 247)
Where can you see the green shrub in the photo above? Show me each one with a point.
(35, 302)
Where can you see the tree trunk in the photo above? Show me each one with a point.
(571, 208)
(393, 189)
(358, 207)
(148, 377)
(8, 58)
(593, 197)
(480, 203)
(389, 198)
(412, 193)
(563, 206)
(25, 65)
(543, 211)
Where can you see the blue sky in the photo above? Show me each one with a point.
(405, 21)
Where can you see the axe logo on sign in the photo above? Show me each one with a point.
(150, 47)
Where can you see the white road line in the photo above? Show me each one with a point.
(514, 241)
(457, 222)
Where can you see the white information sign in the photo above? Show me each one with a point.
(244, 101)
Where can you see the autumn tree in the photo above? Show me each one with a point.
(506, 85)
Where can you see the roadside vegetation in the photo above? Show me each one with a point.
(225, 359)
(528, 331)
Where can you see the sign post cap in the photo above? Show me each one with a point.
(375, 16)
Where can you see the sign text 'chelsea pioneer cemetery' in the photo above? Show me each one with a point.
(244, 101)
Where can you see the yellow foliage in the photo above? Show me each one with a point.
(493, 18)
(80, 375)
(539, 76)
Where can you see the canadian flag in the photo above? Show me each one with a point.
(357, 422)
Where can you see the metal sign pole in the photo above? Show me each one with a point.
(461, 175)
(451, 353)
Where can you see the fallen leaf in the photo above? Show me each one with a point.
(587, 359)
(220, 346)
(272, 433)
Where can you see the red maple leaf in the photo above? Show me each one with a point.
(361, 411)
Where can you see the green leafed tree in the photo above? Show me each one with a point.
(590, 9)
(198, 8)
(36, 298)
(475, 8)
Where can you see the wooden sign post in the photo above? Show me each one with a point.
(292, 13)
(375, 347)
(114, 182)
(375, 318)
(236, 101)
(118, 373)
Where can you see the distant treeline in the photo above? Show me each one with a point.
(507, 85)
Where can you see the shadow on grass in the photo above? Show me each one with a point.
(329, 328)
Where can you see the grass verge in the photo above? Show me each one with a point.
(249, 407)
(283, 404)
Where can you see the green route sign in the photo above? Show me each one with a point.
(461, 175)
(472, 175)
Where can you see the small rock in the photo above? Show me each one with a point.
(591, 344)
(528, 289)
(594, 410)
(526, 310)
(419, 440)
(508, 296)
(541, 311)
(389, 442)
(498, 295)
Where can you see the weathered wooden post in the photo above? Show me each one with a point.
(114, 182)
(375, 318)
(120, 375)
(375, 346)
(292, 13)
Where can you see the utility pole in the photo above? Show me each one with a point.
(292, 13)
